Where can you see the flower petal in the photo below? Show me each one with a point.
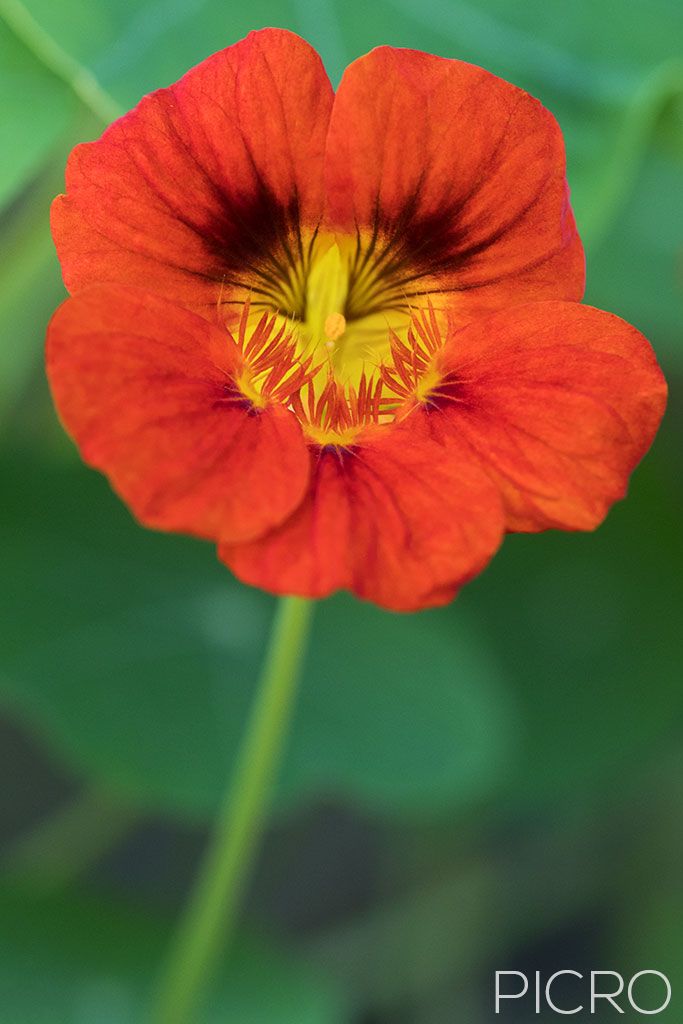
(561, 401)
(208, 187)
(397, 520)
(455, 180)
(146, 390)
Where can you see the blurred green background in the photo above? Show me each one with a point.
(496, 785)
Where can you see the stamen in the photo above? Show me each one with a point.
(272, 368)
(413, 372)
(336, 415)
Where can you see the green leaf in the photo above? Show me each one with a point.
(77, 961)
(136, 655)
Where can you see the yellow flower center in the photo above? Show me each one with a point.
(361, 346)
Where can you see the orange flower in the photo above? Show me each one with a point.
(341, 334)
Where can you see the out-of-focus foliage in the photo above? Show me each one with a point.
(549, 693)
(143, 677)
(82, 981)
(25, 142)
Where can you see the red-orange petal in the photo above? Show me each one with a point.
(397, 519)
(456, 178)
(207, 187)
(146, 390)
(560, 401)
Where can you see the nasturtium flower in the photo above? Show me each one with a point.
(341, 335)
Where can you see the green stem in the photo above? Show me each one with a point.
(51, 55)
(211, 915)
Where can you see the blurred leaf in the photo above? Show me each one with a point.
(36, 110)
(438, 933)
(83, 961)
(594, 48)
(638, 271)
(136, 654)
(648, 935)
(588, 627)
(645, 928)
(408, 712)
(63, 844)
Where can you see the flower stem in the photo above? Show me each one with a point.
(211, 915)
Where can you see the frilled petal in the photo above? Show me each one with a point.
(146, 389)
(396, 519)
(560, 401)
(208, 188)
(455, 181)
